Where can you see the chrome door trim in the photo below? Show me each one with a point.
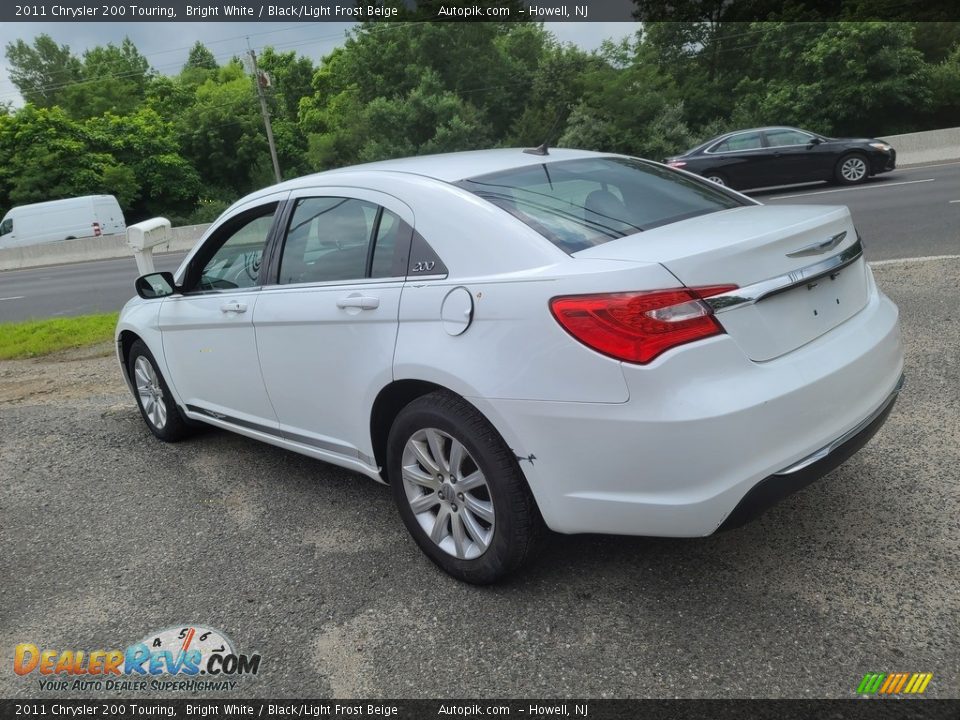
(741, 297)
(332, 447)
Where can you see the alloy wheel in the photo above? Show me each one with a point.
(716, 179)
(853, 169)
(150, 392)
(448, 493)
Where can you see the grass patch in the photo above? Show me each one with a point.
(33, 338)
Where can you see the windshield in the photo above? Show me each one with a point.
(576, 204)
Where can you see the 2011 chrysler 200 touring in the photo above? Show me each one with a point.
(516, 340)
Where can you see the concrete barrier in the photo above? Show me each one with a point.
(924, 147)
(92, 248)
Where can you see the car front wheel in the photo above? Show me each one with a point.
(460, 491)
(852, 169)
(157, 407)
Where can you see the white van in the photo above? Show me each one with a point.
(89, 216)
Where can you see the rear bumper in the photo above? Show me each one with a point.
(774, 488)
(703, 426)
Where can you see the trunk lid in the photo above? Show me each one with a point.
(755, 244)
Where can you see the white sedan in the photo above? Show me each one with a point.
(519, 340)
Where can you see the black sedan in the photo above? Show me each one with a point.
(763, 157)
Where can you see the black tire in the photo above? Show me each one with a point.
(173, 427)
(718, 179)
(518, 528)
(841, 171)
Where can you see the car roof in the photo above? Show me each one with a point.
(446, 167)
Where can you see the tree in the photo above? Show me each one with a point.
(221, 132)
(860, 78)
(42, 71)
(50, 156)
(147, 146)
(423, 87)
(114, 80)
(628, 106)
(291, 79)
(200, 58)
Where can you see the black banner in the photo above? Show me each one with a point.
(261, 11)
(425, 709)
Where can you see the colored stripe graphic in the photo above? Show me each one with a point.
(894, 683)
(871, 683)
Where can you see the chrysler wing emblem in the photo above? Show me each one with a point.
(820, 247)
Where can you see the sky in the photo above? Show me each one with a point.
(166, 45)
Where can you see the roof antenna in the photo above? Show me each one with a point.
(542, 149)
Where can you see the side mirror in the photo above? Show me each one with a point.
(814, 142)
(155, 285)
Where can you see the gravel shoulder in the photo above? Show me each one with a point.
(109, 534)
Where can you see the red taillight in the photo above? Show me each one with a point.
(96, 229)
(639, 326)
(676, 163)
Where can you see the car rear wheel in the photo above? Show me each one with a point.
(157, 407)
(717, 178)
(852, 169)
(460, 491)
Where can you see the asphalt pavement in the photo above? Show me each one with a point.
(98, 286)
(913, 212)
(109, 535)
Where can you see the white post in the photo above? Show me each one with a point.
(145, 236)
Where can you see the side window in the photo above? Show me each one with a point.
(327, 240)
(236, 263)
(743, 141)
(6, 227)
(780, 138)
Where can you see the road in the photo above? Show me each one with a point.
(914, 212)
(109, 534)
(78, 289)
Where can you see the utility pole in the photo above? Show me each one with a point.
(260, 79)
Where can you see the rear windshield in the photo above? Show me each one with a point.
(577, 204)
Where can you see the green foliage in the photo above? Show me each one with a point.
(106, 122)
(200, 58)
(42, 337)
(114, 80)
(839, 78)
(207, 211)
(42, 71)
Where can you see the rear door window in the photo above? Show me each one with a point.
(577, 204)
(782, 138)
(734, 143)
(338, 239)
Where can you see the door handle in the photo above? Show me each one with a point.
(364, 302)
(233, 307)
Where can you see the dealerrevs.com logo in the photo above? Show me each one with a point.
(188, 657)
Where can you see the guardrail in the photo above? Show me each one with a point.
(924, 147)
(92, 248)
